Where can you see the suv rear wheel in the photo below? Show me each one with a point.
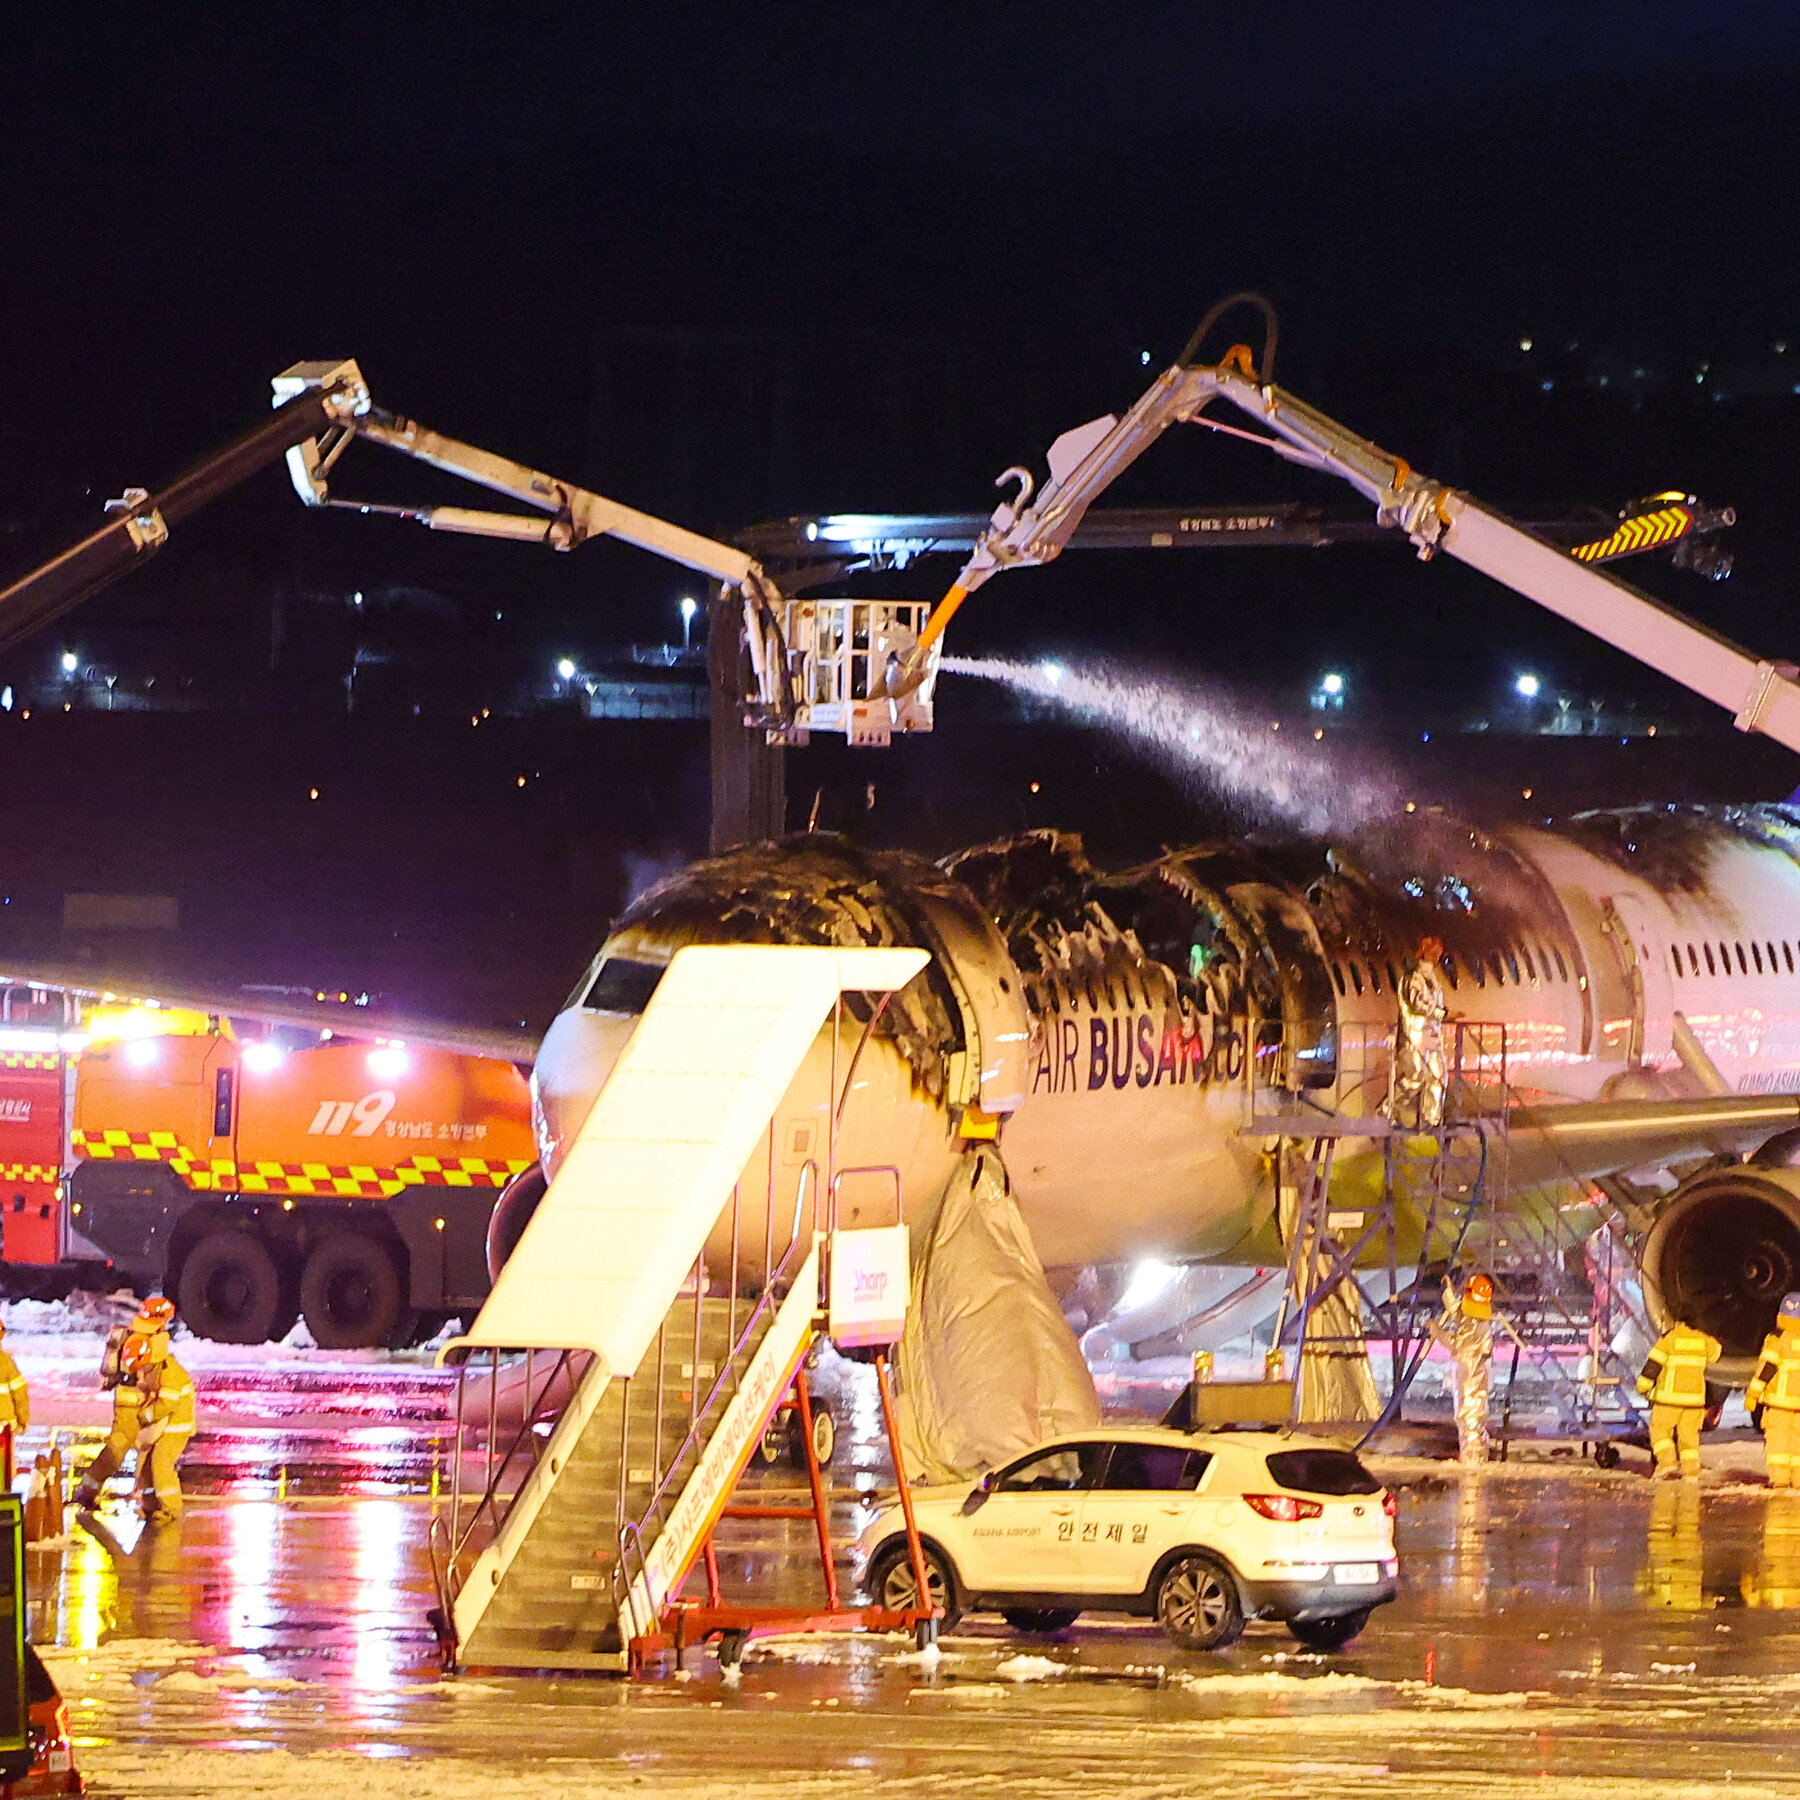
(1329, 1634)
(1197, 1605)
(893, 1585)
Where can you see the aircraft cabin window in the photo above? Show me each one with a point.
(1337, 975)
(1772, 965)
(1374, 976)
(1743, 967)
(1725, 958)
(1756, 955)
(1512, 967)
(1693, 960)
(1449, 968)
(1478, 969)
(1562, 968)
(1787, 955)
(1709, 959)
(1356, 977)
(1393, 979)
(1675, 960)
(624, 987)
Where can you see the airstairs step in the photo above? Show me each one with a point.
(557, 1602)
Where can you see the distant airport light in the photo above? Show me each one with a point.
(1052, 672)
(1528, 687)
(689, 606)
(263, 1057)
(566, 669)
(1332, 684)
(388, 1063)
(70, 662)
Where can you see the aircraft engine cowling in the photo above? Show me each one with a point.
(512, 1213)
(1723, 1252)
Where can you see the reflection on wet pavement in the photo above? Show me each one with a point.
(1586, 1627)
(1613, 1635)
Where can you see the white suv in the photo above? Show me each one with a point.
(1203, 1531)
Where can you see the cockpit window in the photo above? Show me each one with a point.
(624, 987)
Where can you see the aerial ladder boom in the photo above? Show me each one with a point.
(813, 664)
(1761, 695)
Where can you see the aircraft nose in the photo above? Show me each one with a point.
(573, 1063)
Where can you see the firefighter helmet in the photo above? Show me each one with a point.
(134, 1356)
(1789, 1308)
(157, 1312)
(1478, 1298)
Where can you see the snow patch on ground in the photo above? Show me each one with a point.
(1274, 1682)
(189, 1681)
(1031, 1668)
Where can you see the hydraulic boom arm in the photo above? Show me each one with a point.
(320, 408)
(1761, 695)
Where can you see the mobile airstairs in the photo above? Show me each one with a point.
(567, 1548)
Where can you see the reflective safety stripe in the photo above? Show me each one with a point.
(1683, 1355)
(343, 1181)
(1777, 1379)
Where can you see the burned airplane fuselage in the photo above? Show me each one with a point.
(1113, 1030)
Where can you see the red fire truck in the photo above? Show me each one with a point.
(253, 1180)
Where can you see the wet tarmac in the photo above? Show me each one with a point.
(1556, 1625)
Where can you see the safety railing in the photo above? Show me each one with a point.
(702, 1418)
(1465, 1064)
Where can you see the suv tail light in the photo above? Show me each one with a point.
(1390, 1505)
(1285, 1509)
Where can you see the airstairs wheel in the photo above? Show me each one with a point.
(824, 1438)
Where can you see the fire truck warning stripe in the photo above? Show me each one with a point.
(358, 1181)
(28, 1172)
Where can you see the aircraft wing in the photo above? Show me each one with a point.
(1588, 1139)
(345, 1018)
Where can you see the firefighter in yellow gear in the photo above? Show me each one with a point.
(1774, 1392)
(128, 1401)
(15, 1396)
(166, 1425)
(1674, 1377)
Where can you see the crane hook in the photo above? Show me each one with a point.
(1027, 487)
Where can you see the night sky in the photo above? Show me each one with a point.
(893, 250)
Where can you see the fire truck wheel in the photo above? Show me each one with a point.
(230, 1290)
(351, 1295)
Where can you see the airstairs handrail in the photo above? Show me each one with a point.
(773, 1294)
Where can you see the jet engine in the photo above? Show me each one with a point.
(1723, 1252)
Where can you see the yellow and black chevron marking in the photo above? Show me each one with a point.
(353, 1181)
(47, 1172)
(30, 1059)
(1645, 532)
